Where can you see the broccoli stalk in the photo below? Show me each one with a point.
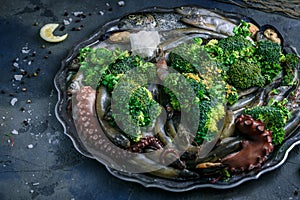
(274, 116)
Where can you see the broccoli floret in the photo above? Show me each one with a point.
(242, 29)
(290, 64)
(232, 95)
(134, 108)
(187, 57)
(142, 107)
(94, 63)
(180, 64)
(243, 75)
(193, 85)
(234, 43)
(269, 54)
(209, 113)
(274, 117)
(116, 69)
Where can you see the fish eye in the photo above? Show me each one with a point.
(73, 85)
(132, 17)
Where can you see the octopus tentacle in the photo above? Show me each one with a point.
(88, 126)
(144, 143)
(255, 148)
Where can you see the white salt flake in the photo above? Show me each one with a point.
(15, 64)
(29, 62)
(121, 3)
(76, 14)
(30, 146)
(18, 77)
(101, 12)
(35, 184)
(107, 4)
(13, 101)
(66, 22)
(15, 132)
(25, 50)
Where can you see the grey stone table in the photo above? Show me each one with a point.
(37, 161)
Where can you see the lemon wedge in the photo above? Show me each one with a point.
(46, 32)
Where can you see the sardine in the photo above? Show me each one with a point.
(187, 10)
(216, 24)
(151, 21)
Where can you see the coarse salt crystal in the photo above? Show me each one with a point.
(13, 101)
(121, 3)
(15, 64)
(101, 12)
(30, 146)
(18, 77)
(15, 132)
(66, 22)
(25, 50)
(77, 13)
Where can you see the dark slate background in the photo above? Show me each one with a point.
(52, 168)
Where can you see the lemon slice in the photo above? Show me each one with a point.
(46, 32)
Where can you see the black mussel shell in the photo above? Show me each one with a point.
(269, 32)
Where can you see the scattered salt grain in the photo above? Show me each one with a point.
(35, 184)
(30, 146)
(107, 4)
(25, 50)
(14, 132)
(18, 77)
(13, 101)
(121, 3)
(78, 13)
(101, 13)
(67, 21)
(15, 64)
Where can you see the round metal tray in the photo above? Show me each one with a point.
(275, 160)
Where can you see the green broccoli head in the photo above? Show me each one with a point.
(124, 64)
(269, 54)
(290, 64)
(208, 114)
(188, 57)
(274, 118)
(243, 75)
(242, 29)
(180, 64)
(142, 107)
(232, 95)
(133, 109)
(234, 43)
(94, 63)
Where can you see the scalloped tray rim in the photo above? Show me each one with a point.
(91, 40)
